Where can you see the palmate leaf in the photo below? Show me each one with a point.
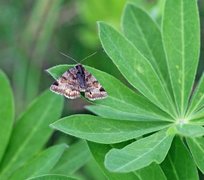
(181, 39)
(125, 114)
(106, 131)
(6, 112)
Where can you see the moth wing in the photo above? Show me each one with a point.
(94, 90)
(67, 85)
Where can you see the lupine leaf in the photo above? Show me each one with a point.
(31, 131)
(140, 153)
(135, 67)
(103, 130)
(196, 146)
(179, 164)
(181, 39)
(72, 159)
(190, 130)
(113, 113)
(6, 112)
(41, 164)
(144, 33)
(153, 172)
(197, 101)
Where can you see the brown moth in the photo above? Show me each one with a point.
(76, 80)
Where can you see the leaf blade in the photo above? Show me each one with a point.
(190, 130)
(25, 142)
(119, 49)
(181, 39)
(144, 33)
(197, 101)
(72, 159)
(105, 131)
(196, 146)
(178, 163)
(99, 151)
(6, 112)
(41, 164)
(140, 153)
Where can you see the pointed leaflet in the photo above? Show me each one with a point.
(181, 39)
(135, 67)
(72, 159)
(196, 146)
(179, 164)
(6, 112)
(140, 153)
(31, 131)
(190, 130)
(42, 164)
(197, 100)
(113, 113)
(144, 33)
(119, 96)
(107, 131)
(153, 172)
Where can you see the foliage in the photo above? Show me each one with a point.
(23, 139)
(153, 123)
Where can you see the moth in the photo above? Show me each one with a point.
(76, 80)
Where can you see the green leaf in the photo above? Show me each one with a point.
(99, 151)
(190, 130)
(197, 101)
(153, 172)
(135, 67)
(6, 112)
(52, 177)
(107, 131)
(31, 131)
(41, 164)
(144, 33)
(120, 96)
(140, 153)
(196, 146)
(181, 39)
(178, 164)
(198, 117)
(108, 112)
(72, 159)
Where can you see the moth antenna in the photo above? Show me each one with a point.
(69, 57)
(88, 56)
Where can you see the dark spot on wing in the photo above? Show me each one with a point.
(101, 89)
(56, 83)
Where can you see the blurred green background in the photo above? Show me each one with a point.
(33, 32)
